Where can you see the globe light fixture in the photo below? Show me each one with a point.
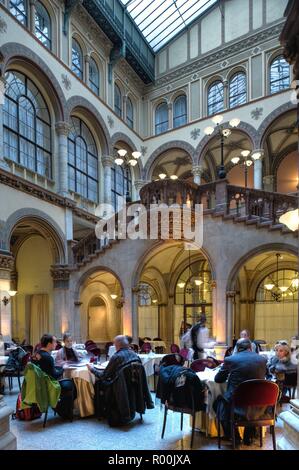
(209, 130)
(234, 122)
(119, 161)
(235, 160)
(290, 219)
(174, 177)
(136, 154)
(181, 285)
(217, 119)
(133, 162)
(122, 152)
(113, 296)
(162, 176)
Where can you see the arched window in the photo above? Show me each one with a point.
(279, 75)
(117, 100)
(77, 59)
(43, 25)
(215, 98)
(121, 184)
(27, 125)
(161, 118)
(94, 76)
(82, 161)
(19, 9)
(130, 113)
(180, 111)
(237, 90)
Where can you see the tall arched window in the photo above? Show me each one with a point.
(180, 111)
(161, 118)
(130, 113)
(27, 125)
(117, 100)
(19, 8)
(279, 75)
(94, 76)
(237, 90)
(215, 98)
(77, 59)
(43, 25)
(82, 161)
(121, 184)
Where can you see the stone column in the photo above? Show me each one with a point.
(32, 16)
(129, 314)
(8, 440)
(135, 327)
(87, 62)
(230, 295)
(197, 171)
(225, 95)
(3, 163)
(107, 162)
(258, 171)
(269, 183)
(6, 267)
(62, 315)
(63, 129)
(170, 117)
(219, 311)
(138, 186)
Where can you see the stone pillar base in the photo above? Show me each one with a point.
(290, 439)
(8, 440)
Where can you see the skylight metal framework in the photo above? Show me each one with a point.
(160, 20)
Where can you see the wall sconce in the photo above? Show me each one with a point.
(6, 300)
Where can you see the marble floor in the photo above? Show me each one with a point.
(91, 434)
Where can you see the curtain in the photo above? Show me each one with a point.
(39, 317)
(275, 321)
(148, 321)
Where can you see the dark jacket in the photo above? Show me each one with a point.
(46, 363)
(177, 384)
(119, 359)
(245, 365)
(14, 362)
(126, 394)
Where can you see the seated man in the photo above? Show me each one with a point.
(43, 357)
(245, 334)
(123, 355)
(245, 365)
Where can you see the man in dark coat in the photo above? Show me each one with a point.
(245, 365)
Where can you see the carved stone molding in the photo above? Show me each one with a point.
(209, 59)
(107, 160)
(62, 128)
(60, 272)
(6, 262)
(197, 170)
(231, 294)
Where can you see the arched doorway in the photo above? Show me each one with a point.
(97, 320)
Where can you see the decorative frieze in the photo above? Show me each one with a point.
(61, 276)
(6, 262)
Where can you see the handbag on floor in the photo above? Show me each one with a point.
(26, 414)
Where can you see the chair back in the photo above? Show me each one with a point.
(90, 346)
(172, 360)
(146, 348)
(25, 360)
(107, 346)
(87, 343)
(290, 379)
(174, 348)
(28, 348)
(134, 347)
(184, 352)
(229, 352)
(258, 393)
(95, 351)
(146, 338)
(199, 365)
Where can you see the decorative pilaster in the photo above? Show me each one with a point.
(258, 171)
(170, 123)
(32, 16)
(225, 95)
(61, 295)
(3, 164)
(197, 171)
(107, 162)
(6, 267)
(87, 62)
(63, 129)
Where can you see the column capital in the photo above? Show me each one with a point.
(62, 128)
(230, 294)
(107, 160)
(7, 262)
(197, 170)
(87, 58)
(60, 272)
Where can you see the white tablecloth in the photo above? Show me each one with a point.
(149, 360)
(84, 381)
(3, 360)
(214, 389)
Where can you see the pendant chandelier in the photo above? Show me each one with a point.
(278, 288)
(122, 156)
(192, 285)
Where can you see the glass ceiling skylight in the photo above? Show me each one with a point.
(161, 20)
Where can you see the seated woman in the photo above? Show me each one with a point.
(281, 362)
(67, 353)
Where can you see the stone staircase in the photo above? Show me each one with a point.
(222, 202)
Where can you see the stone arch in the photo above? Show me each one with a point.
(17, 52)
(44, 224)
(174, 144)
(270, 269)
(244, 127)
(77, 102)
(279, 247)
(269, 120)
(79, 282)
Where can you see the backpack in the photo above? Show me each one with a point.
(26, 414)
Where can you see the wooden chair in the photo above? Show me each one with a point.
(255, 394)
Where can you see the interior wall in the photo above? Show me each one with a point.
(288, 173)
(33, 264)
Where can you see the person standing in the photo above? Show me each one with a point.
(199, 335)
